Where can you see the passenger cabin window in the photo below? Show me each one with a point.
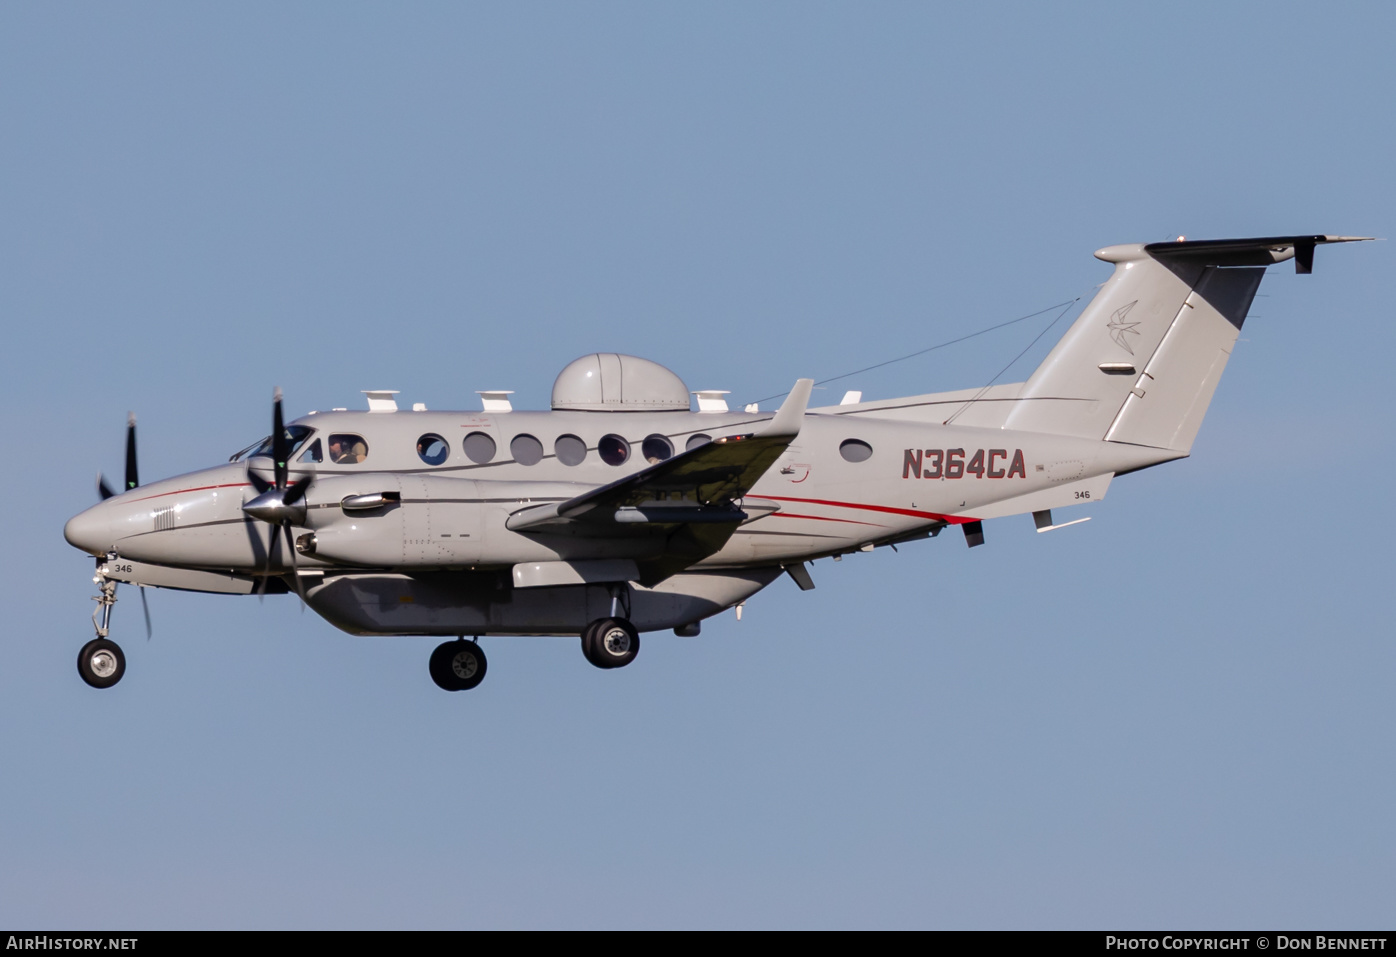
(855, 450)
(347, 448)
(526, 450)
(479, 447)
(613, 449)
(432, 449)
(570, 450)
(657, 448)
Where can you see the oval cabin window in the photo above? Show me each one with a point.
(613, 449)
(855, 450)
(526, 450)
(657, 448)
(570, 450)
(479, 448)
(432, 449)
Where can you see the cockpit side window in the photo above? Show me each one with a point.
(314, 453)
(242, 453)
(295, 438)
(347, 448)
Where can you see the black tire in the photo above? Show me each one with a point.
(589, 643)
(101, 663)
(458, 665)
(614, 643)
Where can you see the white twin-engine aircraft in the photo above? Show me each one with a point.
(622, 511)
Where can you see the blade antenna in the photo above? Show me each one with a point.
(146, 608)
(266, 567)
(295, 563)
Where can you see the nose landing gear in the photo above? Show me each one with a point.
(101, 662)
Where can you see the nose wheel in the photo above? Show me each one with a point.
(457, 665)
(101, 663)
(610, 643)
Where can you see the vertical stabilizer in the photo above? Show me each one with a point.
(1164, 408)
(1141, 363)
(1082, 384)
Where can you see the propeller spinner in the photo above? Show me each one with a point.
(279, 503)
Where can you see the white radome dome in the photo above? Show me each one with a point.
(610, 382)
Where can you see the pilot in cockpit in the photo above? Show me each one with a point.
(347, 449)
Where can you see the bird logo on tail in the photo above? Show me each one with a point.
(1119, 327)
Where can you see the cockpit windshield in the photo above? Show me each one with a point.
(295, 438)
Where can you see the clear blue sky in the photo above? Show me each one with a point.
(1177, 714)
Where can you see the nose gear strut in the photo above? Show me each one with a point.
(101, 663)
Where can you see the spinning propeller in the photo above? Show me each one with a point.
(277, 503)
(103, 489)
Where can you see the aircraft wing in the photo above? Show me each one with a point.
(697, 487)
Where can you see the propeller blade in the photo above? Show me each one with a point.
(279, 452)
(145, 608)
(131, 479)
(259, 483)
(295, 565)
(103, 489)
(297, 492)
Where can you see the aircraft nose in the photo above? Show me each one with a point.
(91, 531)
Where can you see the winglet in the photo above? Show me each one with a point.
(792, 412)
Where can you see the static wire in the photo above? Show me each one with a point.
(1063, 306)
(988, 385)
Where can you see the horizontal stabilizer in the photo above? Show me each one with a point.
(1262, 251)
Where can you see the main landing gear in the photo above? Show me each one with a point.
(101, 662)
(458, 665)
(610, 642)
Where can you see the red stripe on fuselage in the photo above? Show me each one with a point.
(201, 488)
(914, 513)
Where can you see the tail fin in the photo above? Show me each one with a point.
(1142, 361)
